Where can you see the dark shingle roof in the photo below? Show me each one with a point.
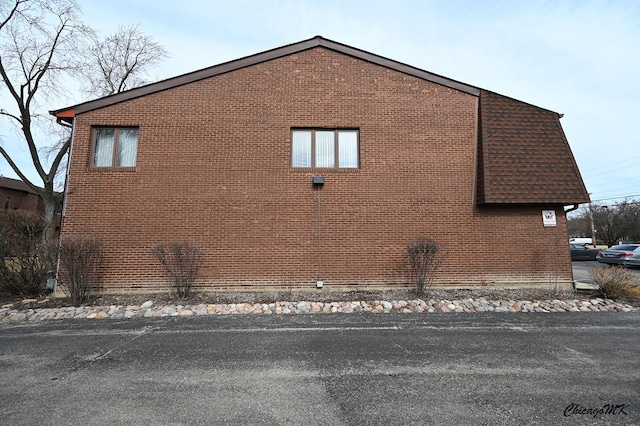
(524, 156)
(16, 184)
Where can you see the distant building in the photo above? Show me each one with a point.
(17, 195)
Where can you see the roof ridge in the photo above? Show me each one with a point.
(317, 41)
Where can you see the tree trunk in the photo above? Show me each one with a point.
(52, 203)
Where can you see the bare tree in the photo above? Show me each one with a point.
(629, 211)
(38, 40)
(119, 61)
(41, 42)
(614, 223)
(617, 223)
(578, 223)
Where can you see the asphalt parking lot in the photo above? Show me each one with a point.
(581, 270)
(354, 369)
(395, 369)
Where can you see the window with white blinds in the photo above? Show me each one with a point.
(115, 147)
(325, 148)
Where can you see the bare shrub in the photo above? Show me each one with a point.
(553, 264)
(425, 256)
(614, 282)
(79, 260)
(25, 258)
(181, 262)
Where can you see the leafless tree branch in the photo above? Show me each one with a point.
(43, 40)
(120, 61)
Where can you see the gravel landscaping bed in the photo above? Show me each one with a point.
(299, 302)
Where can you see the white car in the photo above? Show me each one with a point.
(580, 240)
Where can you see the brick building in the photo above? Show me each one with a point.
(226, 158)
(17, 195)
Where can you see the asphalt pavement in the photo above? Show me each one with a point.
(369, 369)
(581, 270)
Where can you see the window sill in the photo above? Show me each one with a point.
(321, 170)
(326, 169)
(112, 169)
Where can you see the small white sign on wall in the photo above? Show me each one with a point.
(549, 217)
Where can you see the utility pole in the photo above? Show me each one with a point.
(593, 228)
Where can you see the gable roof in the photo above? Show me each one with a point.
(67, 114)
(523, 154)
(16, 185)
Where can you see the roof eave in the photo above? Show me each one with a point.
(494, 201)
(65, 114)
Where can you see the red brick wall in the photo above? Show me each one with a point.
(20, 200)
(213, 168)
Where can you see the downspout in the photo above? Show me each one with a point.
(64, 200)
(571, 208)
(66, 177)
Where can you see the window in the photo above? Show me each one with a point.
(115, 147)
(324, 148)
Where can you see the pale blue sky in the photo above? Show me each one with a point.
(579, 58)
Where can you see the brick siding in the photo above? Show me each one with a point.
(15, 199)
(213, 168)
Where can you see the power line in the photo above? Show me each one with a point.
(620, 189)
(615, 162)
(615, 181)
(619, 196)
(615, 193)
(618, 170)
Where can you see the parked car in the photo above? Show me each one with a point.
(582, 252)
(588, 242)
(622, 254)
(580, 240)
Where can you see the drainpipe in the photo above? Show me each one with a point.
(572, 208)
(54, 283)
